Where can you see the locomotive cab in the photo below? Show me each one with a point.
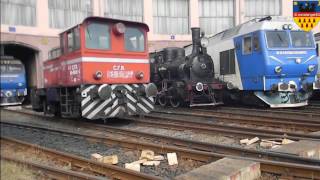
(100, 70)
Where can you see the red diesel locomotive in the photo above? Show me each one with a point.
(101, 70)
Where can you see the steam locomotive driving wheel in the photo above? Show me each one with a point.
(174, 102)
(162, 100)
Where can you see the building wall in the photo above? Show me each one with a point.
(44, 38)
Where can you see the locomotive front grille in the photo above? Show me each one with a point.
(116, 101)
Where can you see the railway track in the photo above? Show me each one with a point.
(81, 168)
(301, 113)
(51, 172)
(307, 125)
(210, 147)
(300, 167)
(212, 128)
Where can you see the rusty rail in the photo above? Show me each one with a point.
(91, 166)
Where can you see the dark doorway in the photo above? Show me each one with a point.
(28, 56)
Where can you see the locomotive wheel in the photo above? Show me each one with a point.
(174, 102)
(162, 100)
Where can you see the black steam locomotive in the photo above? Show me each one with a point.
(185, 79)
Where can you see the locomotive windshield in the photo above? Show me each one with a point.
(11, 68)
(97, 36)
(277, 39)
(134, 40)
(301, 39)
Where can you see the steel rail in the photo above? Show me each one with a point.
(53, 172)
(179, 142)
(209, 147)
(289, 114)
(247, 119)
(295, 169)
(94, 167)
(213, 128)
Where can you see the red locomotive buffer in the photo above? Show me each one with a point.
(101, 70)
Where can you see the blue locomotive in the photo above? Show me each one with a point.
(13, 81)
(266, 61)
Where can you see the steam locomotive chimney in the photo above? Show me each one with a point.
(195, 40)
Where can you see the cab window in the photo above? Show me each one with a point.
(247, 45)
(302, 39)
(134, 40)
(277, 39)
(97, 36)
(256, 43)
(70, 41)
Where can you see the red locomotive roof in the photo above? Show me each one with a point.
(98, 18)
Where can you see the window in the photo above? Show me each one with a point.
(216, 15)
(124, 9)
(62, 43)
(227, 62)
(73, 39)
(97, 36)
(54, 53)
(262, 8)
(171, 16)
(134, 40)
(256, 43)
(76, 38)
(70, 41)
(247, 46)
(18, 12)
(301, 39)
(66, 13)
(3, 68)
(277, 39)
(15, 68)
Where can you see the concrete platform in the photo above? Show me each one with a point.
(224, 169)
(303, 148)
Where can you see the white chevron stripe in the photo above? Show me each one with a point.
(85, 101)
(128, 87)
(143, 108)
(88, 88)
(98, 109)
(115, 112)
(134, 109)
(107, 110)
(115, 103)
(151, 99)
(131, 98)
(147, 103)
(135, 85)
(89, 107)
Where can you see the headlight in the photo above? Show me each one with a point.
(204, 42)
(119, 28)
(139, 75)
(199, 86)
(298, 60)
(20, 84)
(98, 75)
(290, 26)
(311, 68)
(285, 27)
(278, 69)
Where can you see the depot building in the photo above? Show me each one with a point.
(30, 28)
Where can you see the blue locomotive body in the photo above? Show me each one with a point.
(266, 60)
(13, 81)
